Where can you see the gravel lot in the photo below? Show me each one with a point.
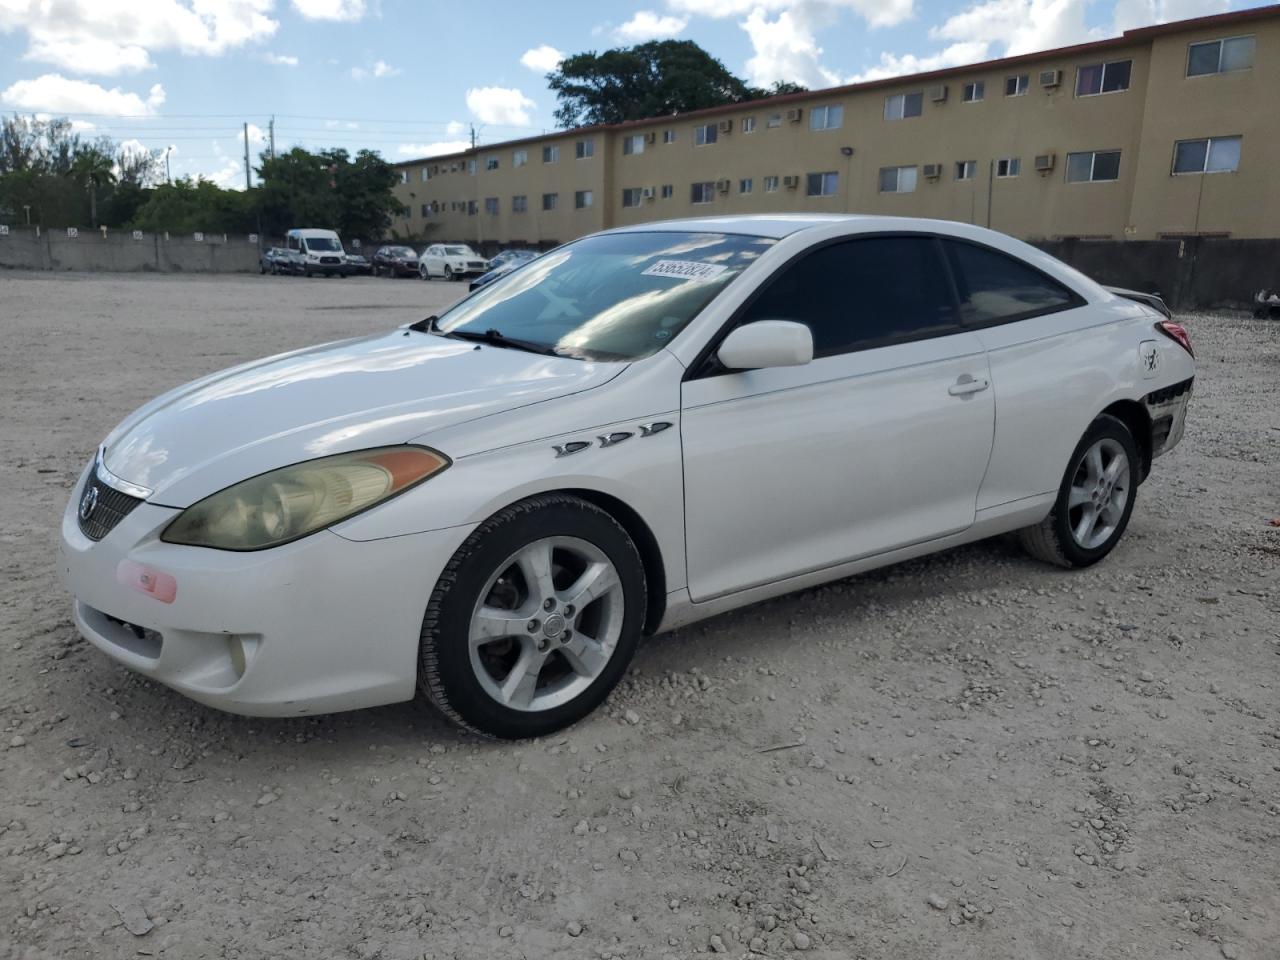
(967, 756)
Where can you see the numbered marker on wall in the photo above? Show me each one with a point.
(253, 238)
(4, 230)
(137, 234)
(72, 233)
(199, 237)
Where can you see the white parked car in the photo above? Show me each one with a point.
(639, 429)
(452, 261)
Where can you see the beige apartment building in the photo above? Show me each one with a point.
(1170, 130)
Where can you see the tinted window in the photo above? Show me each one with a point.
(862, 293)
(995, 287)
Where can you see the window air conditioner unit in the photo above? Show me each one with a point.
(725, 126)
(722, 186)
(646, 193)
(1045, 162)
(932, 171)
(1050, 78)
(791, 182)
(793, 115)
(938, 94)
(650, 137)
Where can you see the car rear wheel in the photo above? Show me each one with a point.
(534, 620)
(1094, 501)
(423, 272)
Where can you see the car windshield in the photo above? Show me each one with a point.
(458, 252)
(401, 252)
(617, 296)
(321, 243)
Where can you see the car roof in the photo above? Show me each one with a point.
(777, 226)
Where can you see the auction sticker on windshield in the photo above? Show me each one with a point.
(685, 270)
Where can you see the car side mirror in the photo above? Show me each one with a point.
(767, 343)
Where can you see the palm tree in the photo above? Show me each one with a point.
(93, 168)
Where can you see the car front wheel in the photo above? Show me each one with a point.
(448, 272)
(1094, 501)
(423, 272)
(534, 619)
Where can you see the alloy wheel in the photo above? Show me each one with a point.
(1100, 491)
(546, 624)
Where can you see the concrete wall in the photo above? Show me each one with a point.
(1192, 273)
(32, 249)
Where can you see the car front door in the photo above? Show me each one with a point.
(433, 258)
(878, 443)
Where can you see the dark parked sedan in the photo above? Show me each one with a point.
(279, 260)
(503, 264)
(395, 262)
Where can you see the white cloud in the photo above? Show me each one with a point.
(383, 69)
(1141, 13)
(543, 59)
(454, 127)
(358, 73)
(280, 59)
(892, 65)
(647, 25)
(1011, 27)
(877, 13)
(230, 176)
(330, 9)
(57, 94)
(786, 48)
(108, 37)
(501, 105)
(439, 148)
(256, 136)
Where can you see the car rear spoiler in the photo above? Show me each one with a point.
(1152, 300)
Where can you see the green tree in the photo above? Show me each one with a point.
(94, 167)
(187, 205)
(654, 79)
(327, 189)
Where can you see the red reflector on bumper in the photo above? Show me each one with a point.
(153, 583)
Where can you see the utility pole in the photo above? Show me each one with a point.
(271, 136)
(167, 177)
(247, 184)
(473, 136)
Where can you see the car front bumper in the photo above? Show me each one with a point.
(319, 625)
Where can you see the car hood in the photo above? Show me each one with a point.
(352, 395)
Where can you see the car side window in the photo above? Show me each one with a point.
(862, 293)
(994, 287)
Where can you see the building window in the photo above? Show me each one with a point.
(975, 91)
(830, 118)
(1017, 86)
(748, 124)
(897, 179)
(966, 169)
(472, 208)
(426, 210)
(631, 196)
(1220, 56)
(491, 163)
(1209, 155)
(550, 154)
(1098, 78)
(426, 174)
(549, 201)
(770, 184)
(1008, 166)
(668, 136)
(633, 144)
(903, 105)
(519, 158)
(703, 192)
(471, 165)
(1093, 166)
(823, 184)
(667, 191)
(583, 199)
(745, 185)
(585, 149)
(775, 120)
(704, 134)
(519, 203)
(404, 176)
(491, 206)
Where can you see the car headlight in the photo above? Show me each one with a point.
(292, 502)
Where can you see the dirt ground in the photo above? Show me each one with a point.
(967, 756)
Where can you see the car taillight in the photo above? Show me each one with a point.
(1177, 333)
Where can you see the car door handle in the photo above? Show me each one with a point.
(967, 385)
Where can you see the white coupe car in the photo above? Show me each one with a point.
(450, 261)
(639, 429)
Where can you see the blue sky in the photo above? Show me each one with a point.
(409, 78)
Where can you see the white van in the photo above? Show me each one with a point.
(321, 251)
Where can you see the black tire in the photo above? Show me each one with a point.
(448, 272)
(423, 272)
(445, 675)
(1051, 539)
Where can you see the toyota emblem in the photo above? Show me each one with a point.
(88, 503)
